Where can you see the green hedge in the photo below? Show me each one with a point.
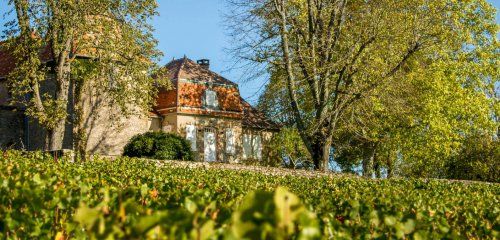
(158, 145)
(137, 199)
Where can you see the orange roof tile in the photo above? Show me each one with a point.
(185, 68)
(191, 80)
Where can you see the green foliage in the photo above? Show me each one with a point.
(114, 36)
(159, 145)
(138, 199)
(264, 215)
(479, 159)
(287, 145)
(413, 77)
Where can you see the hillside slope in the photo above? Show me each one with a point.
(136, 199)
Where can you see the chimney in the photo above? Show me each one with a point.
(205, 63)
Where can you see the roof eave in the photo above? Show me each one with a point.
(271, 129)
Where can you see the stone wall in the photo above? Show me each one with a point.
(219, 125)
(107, 129)
(265, 136)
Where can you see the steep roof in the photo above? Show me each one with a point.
(253, 118)
(185, 68)
(189, 94)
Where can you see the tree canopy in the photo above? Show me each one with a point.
(105, 45)
(408, 80)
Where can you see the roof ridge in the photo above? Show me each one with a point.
(183, 63)
(186, 67)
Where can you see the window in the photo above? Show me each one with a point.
(230, 148)
(211, 99)
(191, 135)
(247, 146)
(252, 146)
(210, 143)
(257, 147)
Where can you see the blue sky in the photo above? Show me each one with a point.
(195, 28)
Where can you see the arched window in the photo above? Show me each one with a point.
(210, 99)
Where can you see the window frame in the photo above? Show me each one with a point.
(212, 95)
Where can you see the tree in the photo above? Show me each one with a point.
(330, 54)
(423, 121)
(476, 160)
(105, 44)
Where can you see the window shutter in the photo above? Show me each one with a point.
(215, 100)
(257, 147)
(230, 148)
(191, 135)
(247, 146)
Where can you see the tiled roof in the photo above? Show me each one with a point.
(191, 94)
(185, 68)
(190, 80)
(253, 118)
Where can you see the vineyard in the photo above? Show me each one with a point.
(136, 199)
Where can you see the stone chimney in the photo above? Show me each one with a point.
(205, 63)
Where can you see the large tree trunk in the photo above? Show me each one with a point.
(377, 166)
(57, 135)
(48, 135)
(327, 145)
(368, 158)
(79, 135)
(320, 153)
(62, 92)
(317, 153)
(79, 139)
(390, 166)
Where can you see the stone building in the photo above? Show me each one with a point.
(208, 109)
(202, 106)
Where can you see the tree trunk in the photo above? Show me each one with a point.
(316, 154)
(326, 154)
(79, 141)
(321, 153)
(79, 135)
(376, 166)
(389, 166)
(57, 136)
(61, 95)
(48, 135)
(368, 162)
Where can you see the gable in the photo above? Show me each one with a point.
(191, 95)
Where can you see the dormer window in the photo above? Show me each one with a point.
(210, 99)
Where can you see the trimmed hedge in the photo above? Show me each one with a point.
(159, 145)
